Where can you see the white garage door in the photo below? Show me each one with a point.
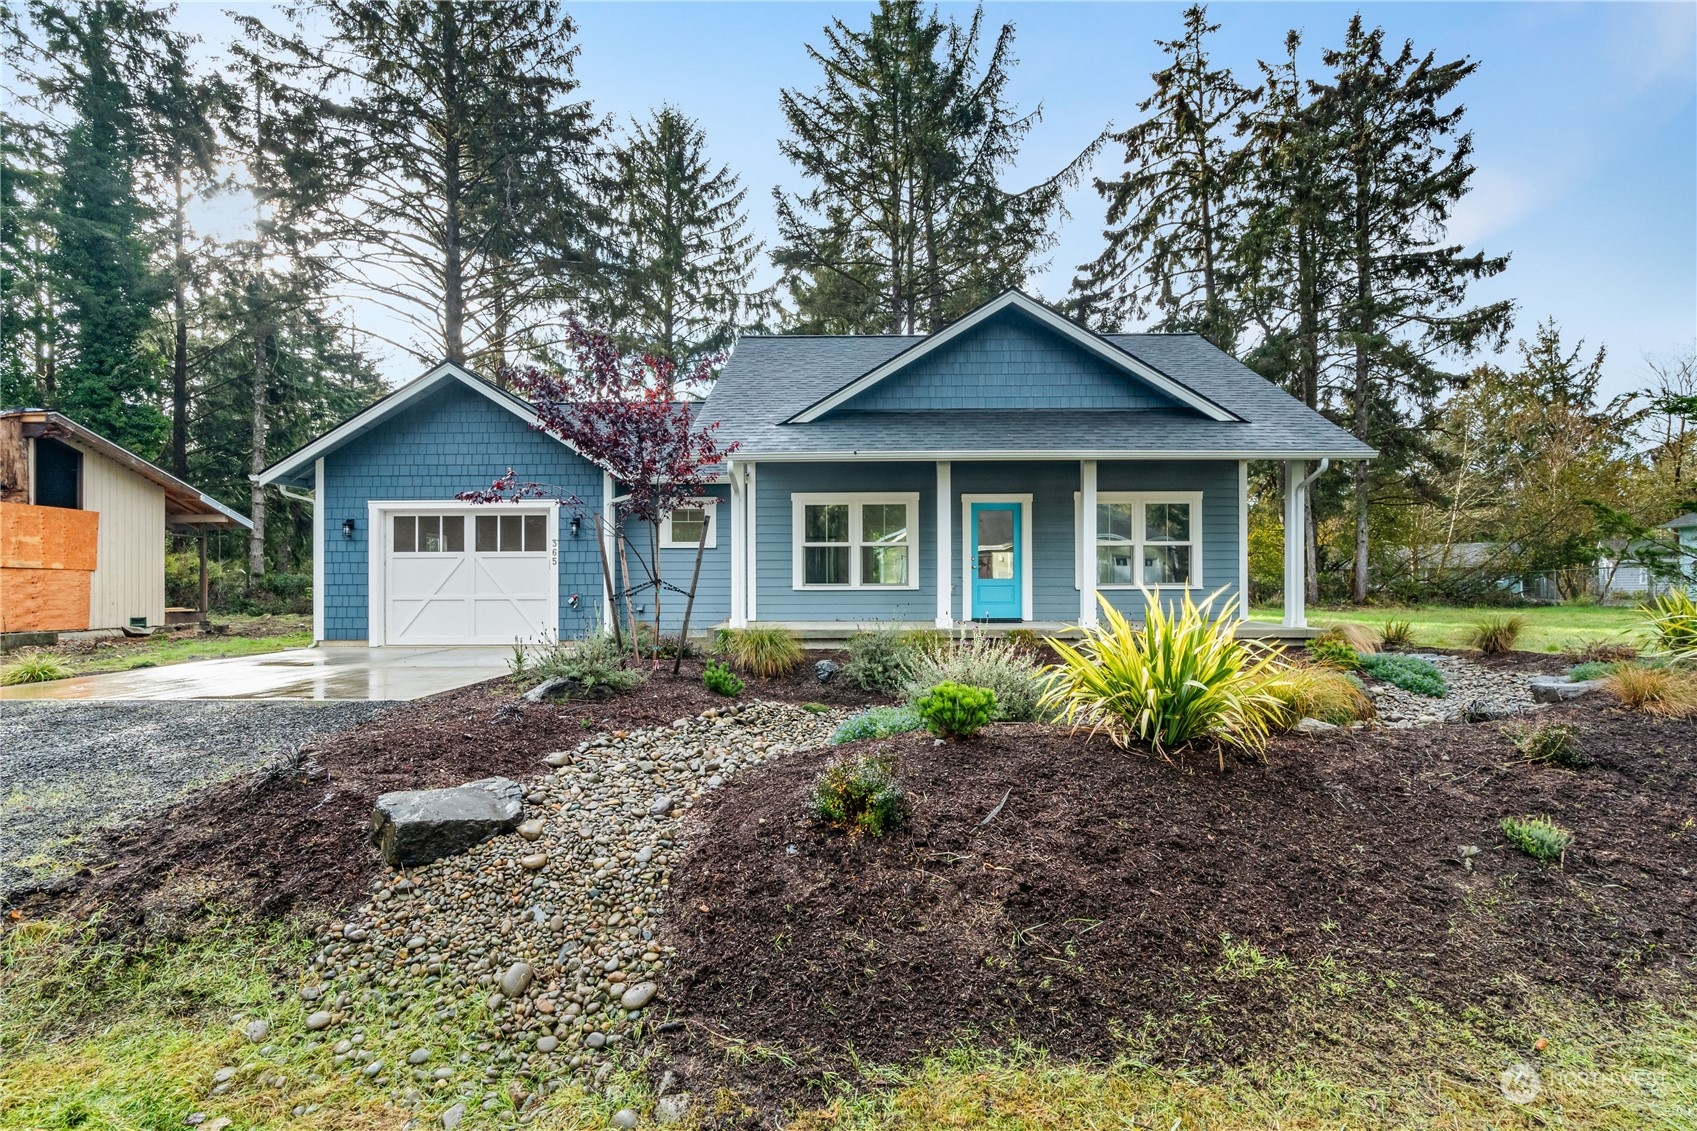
(488, 577)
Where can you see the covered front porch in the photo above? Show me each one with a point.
(829, 635)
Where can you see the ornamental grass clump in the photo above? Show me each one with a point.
(1331, 652)
(862, 796)
(1538, 837)
(766, 651)
(1319, 693)
(1396, 634)
(1495, 635)
(1183, 678)
(1358, 636)
(977, 660)
(592, 665)
(878, 722)
(1656, 691)
(721, 680)
(1672, 624)
(954, 710)
(34, 667)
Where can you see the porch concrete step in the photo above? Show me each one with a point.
(831, 635)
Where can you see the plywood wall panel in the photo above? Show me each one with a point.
(34, 537)
(44, 600)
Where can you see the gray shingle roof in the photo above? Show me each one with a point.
(769, 379)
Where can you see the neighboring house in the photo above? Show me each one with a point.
(83, 525)
(1685, 530)
(1004, 469)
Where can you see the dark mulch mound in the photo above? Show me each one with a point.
(1101, 894)
(294, 840)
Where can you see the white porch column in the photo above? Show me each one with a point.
(1296, 584)
(610, 547)
(751, 544)
(739, 530)
(319, 518)
(1087, 543)
(945, 547)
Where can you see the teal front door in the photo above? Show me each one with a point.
(998, 581)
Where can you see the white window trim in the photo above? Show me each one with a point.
(667, 542)
(968, 565)
(854, 500)
(378, 534)
(1079, 556)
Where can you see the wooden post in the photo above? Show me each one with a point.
(205, 588)
(630, 611)
(694, 579)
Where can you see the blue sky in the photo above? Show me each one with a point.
(1584, 119)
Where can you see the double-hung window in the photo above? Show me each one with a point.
(856, 541)
(1145, 539)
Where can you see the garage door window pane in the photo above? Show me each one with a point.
(429, 534)
(406, 534)
(453, 533)
(487, 534)
(512, 533)
(535, 532)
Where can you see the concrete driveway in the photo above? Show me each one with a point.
(331, 672)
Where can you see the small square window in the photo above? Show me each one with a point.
(535, 532)
(688, 525)
(453, 533)
(488, 534)
(406, 534)
(827, 565)
(429, 534)
(512, 533)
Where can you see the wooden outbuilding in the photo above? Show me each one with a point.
(83, 526)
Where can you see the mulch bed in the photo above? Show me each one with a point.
(1100, 896)
(293, 841)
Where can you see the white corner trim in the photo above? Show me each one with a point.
(945, 546)
(751, 501)
(318, 548)
(739, 547)
(1243, 539)
(609, 515)
(854, 500)
(1194, 498)
(705, 503)
(1026, 564)
(1106, 351)
(1084, 527)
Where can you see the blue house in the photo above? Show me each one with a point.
(1005, 469)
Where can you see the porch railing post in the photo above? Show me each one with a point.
(1296, 545)
(945, 547)
(1087, 543)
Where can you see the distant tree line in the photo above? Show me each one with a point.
(440, 160)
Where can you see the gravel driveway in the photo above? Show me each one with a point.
(69, 768)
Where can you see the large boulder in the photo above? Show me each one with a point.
(416, 826)
(1560, 689)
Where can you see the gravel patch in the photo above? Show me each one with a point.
(1474, 690)
(70, 768)
(544, 941)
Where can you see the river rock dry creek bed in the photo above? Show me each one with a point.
(547, 938)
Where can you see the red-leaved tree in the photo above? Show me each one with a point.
(625, 413)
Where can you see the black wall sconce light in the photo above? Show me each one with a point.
(347, 528)
(577, 522)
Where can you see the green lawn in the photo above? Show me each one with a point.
(158, 651)
(1551, 629)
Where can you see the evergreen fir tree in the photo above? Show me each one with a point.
(1175, 215)
(679, 233)
(904, 226)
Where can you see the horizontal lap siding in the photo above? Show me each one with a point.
(1010, 363)
(1051, 486)
(1221, 559)
(455, 440)
(777, 600)
(712, 595)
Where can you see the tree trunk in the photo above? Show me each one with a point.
(453, 264)
(1365, 324)
(180, 344)
(261, 382)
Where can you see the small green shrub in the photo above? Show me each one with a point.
(1407, 672)
(879, 661)
(977, 660)
(1599, 651)
(721, 680)
(1591, 669)
(879, 722)
(1396, 634)
(592, 665)
(1672, 623)
(1330, 652)
(1553, 743)
(1358, 636)
(1538, 837)
(1495, 635)
(861, 796)
(766, 651)
(34, 667)
(954, 710)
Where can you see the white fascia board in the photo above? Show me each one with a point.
(391, 404)
(1107, 351)
(1047, 454)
